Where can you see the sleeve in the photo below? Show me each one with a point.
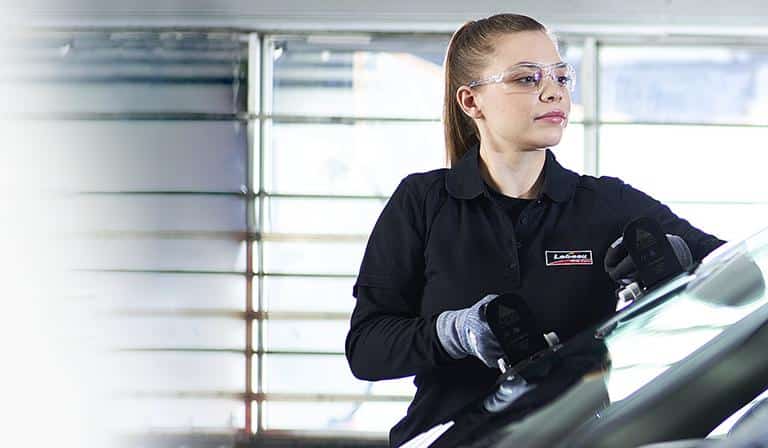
(636, 204)
(387, 337)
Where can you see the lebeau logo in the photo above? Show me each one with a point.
(568, 257)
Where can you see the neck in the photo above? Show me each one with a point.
(515, 173)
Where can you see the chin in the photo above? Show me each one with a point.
(546, 141)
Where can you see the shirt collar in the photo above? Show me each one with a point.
(464, 180)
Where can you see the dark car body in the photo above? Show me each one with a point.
(673, 365)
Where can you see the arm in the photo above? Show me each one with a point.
(384, 345)
(634, 203)
(387, 337)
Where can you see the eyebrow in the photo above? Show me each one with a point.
(531, 63)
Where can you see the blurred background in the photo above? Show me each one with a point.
(189, 187)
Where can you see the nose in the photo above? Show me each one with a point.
(551, 91)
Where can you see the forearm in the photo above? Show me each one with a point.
(639, 204)
(385, 346)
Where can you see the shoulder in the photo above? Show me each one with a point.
(420, 196)
(619, 195)
(425, 188)
(423, 182)
(607, 189)
(602, 184)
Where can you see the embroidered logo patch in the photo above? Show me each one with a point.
(568, 257)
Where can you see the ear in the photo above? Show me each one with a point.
(468, 101)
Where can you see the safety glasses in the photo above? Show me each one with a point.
(529, 77)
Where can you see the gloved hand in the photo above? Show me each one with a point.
(465, 332)
(622, 269)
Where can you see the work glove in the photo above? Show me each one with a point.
(466, 332)
(622, 270)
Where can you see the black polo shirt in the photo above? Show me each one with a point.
(513, 207)
(442, 243)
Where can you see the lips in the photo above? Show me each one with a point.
(553, 115)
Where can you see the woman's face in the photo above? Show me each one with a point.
(514, 118)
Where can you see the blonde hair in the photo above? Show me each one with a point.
(467, 54)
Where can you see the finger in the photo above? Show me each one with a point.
(615, 254)
(487, 298)
(481, 350)
(490, 356)
(625, 269)
(681, 250)
(492, 346)
(487, 361)
(483, 304)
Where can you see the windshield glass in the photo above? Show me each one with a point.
(685, 314)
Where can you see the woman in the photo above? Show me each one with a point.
(505, 217)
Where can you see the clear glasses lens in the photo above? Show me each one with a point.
(529, 78)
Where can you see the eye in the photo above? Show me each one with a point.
(521, 79)
(564, 80)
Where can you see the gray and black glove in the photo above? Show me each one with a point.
(466, 332)
(622, 270)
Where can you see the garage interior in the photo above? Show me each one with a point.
(193, 185)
